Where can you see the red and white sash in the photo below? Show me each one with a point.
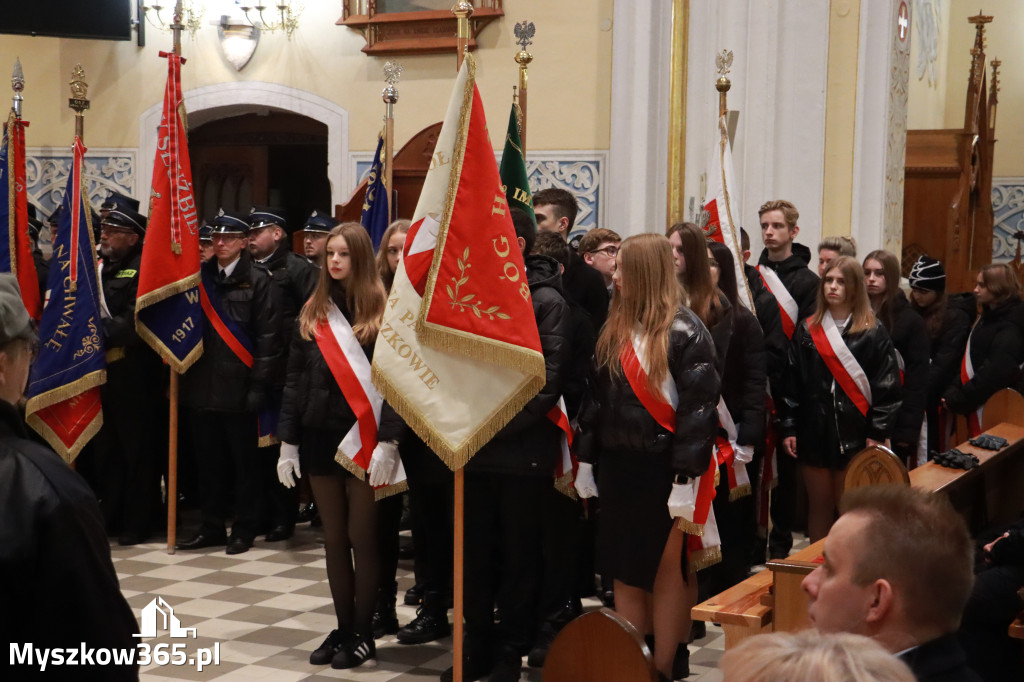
(725, 448)
(845, 369)
(788, 308)
(635, 365)
(351, 371)
(966, 374)
(703, 544)
(565, 470)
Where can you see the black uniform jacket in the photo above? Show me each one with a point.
(531, 443)
(129, 358)
(997, 349)
(294, 280)
(58, 587)
(940, 660)
(826, 419)
(219, 380)
(613, 417)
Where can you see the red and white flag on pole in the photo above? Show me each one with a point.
(459, 354)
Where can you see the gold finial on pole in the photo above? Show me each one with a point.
(723, 62)
(524, 32)
(17, 84)
(79, 101)
(463, 10)
(392, 73)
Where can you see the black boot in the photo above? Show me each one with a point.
(431, 621)
(385, 618)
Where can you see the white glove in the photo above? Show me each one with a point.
(744, 453)
(585, 484)
(683, 500)
(383, 463)
(288, 464)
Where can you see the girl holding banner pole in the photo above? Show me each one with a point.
(335, 427)
(842, 391)
(648, 424)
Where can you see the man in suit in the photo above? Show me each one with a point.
(898, 568)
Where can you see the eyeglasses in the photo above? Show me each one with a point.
(610, 251)
(226, 237)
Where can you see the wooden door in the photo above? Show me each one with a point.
(230, 177)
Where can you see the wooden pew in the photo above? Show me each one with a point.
(600, 646)
(985, 495)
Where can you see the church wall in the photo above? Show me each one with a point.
(929, 65)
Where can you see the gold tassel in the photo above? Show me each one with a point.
(739, 492)
(690, 528)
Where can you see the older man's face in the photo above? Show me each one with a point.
(837, 603)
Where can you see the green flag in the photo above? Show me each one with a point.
(513, 168)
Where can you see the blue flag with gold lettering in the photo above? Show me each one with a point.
(64, 384)
(376, 216)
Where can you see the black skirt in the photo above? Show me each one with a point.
(317, 451)
(634, 527)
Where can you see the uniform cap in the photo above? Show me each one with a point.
(319, 222)
(229, 223)
(264, 216)
(126, 218)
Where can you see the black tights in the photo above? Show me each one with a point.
(349, 513)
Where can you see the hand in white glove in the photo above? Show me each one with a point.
(585, 484)
(683, 500)
(744, 453)
(288, 465)
(383, 463)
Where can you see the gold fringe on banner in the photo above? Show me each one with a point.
(739, 492)
(564, 485)
(689, 527)
(379, 493)
(700, 559)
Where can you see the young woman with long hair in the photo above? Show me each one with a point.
(390, 251)
(653, 357)
(316, 415)
(842, 389)
(910, 337)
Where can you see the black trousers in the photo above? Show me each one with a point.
(783, 509)
(282, 503)
(389, 517)
(226, 449)
(562, 531)
(431, 486)
(502, 560)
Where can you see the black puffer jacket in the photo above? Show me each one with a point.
(531, 443)
(776, 345)
(312, 398)
(947, 343)
(997, 349)
(219, 380)
(745, 378)
(909, 335)
(294, 280)
(614, 418)
(721, 332)
(821, 415)
(801, 283)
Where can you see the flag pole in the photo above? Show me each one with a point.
(172, 391)
(523, 31)
(17, 84)
(462, 10)
(392, 72)
(78, 101)
(722, 85)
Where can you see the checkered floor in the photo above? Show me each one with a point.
(268, 608)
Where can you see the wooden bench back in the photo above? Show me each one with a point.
(600, 646)
(875, 465)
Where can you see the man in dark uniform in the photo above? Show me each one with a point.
(294, 279)
(227, 387)
(58, 588)
(205, 242)
(314, 236)
(128, 445)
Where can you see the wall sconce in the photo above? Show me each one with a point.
(237, 42)
(288, 22)
(191, 19)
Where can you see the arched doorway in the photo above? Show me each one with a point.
(270, 157)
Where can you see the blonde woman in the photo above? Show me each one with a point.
(648, 425)
(842, 391)
(390, 251)
(810, 656)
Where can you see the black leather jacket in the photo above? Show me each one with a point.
(614, 418)
(219, 380)
(826, 419)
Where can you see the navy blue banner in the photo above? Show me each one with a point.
(376, 216)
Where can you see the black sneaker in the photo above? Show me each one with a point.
(361, 651)
(385, 619)
(427, 627)
(334, 643)
(414, 595)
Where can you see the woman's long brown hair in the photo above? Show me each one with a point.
(862, 318)
(646, 303)
(700, 293)
(383, 267)
(362, 289)
(891, 269)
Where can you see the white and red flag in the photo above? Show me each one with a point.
(459, 353)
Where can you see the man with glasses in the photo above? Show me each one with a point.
(227, 387)
(599, 247)
(134, 407)
(314, 236)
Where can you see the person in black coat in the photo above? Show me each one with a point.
(226, 394)
(823, 423)
(504, 481)
(995, 345)
(948, 320)
(642, 463)
(766, 309)
(58, 587)
(134, 407)
(315, 417)
(910, 337)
